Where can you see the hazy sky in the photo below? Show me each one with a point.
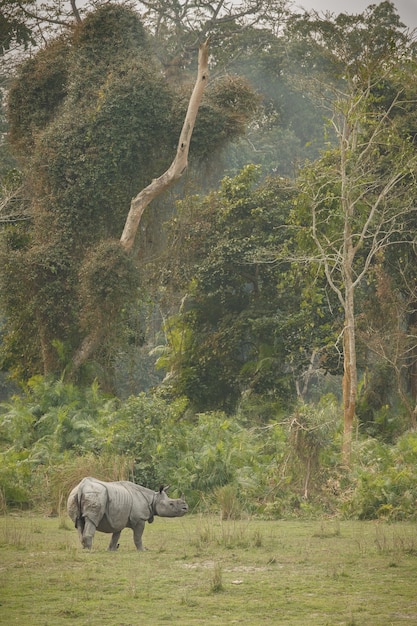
(407, 9)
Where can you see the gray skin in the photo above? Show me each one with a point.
(111, 507)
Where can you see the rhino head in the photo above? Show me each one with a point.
(168, 507)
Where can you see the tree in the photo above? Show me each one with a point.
(386, 329)
(13, 26)
(97, 109)
(156, 187)
(181, 24)
(177, 27)
(287, 129)
(358, 198)
(246, 326)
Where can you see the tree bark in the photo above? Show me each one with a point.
(349, 384)
(179, 164)
(91, 342)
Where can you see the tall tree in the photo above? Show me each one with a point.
(245, 326)
(181, 24)
(154, 189)
(96, 109)
(177, 27)
(358, 198)
(288, 127)
(226, 324)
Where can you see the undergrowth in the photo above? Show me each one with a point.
(284, 469)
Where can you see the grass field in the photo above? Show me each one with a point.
(199, 570)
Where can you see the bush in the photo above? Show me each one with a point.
(15, 479)
(40, 429)
(385, 480)
(55, 434)
(196, 454)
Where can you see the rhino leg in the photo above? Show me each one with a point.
(137, 535)
(88, 534)
(79, 525)
(113, 545)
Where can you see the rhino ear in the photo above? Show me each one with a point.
(166, 488)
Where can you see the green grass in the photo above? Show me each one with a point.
(200, 570)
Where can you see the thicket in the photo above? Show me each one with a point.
(55, 433)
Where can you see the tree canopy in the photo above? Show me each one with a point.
(360, 196)
(96, 109)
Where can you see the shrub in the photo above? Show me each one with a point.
(56, 433)
(385, 480)
(39, 430)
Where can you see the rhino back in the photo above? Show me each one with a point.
(142, 500)
(118, 509)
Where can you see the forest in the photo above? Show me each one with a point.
(208, 255)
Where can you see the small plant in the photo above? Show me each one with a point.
(227, 500)
(396, 544)
(14, 535)
(217, 579)
(204, 535)
(236, 534)
(187, 601)
(63, 523)
(229, 535)
(257, 539)
(326, 532)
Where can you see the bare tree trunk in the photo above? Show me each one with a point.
(306, 377)
(179, 164)
(350, 376)
(154, 189)
(412, 372)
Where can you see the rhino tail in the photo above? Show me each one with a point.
(80, 519)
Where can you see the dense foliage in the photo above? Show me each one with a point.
(13, 26)
(240, 330)
(96, 108)
(56, 434)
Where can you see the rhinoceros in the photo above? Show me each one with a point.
(112, 506)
